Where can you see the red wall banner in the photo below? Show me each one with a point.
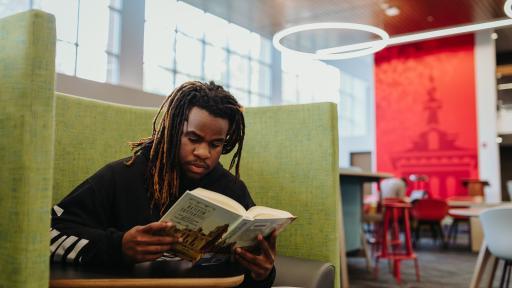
(426, 112)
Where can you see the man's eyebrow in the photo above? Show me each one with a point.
(194, 133)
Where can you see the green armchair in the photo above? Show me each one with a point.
(50, 142)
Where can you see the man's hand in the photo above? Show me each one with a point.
(144, 243)
(259, 265)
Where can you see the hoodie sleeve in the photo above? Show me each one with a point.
(80, 229)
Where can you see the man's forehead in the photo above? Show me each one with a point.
(204, 124)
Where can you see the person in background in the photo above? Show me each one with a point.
(112, 217)
(393, 188)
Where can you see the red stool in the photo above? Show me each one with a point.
(393, 211)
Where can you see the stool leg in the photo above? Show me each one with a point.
(408, 244)
(396, 230)
(384, 248)
(396, 270)
(383, 241)
(390, 244)
(407, 228)
(417, 268)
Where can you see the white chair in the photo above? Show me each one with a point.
(497, 233)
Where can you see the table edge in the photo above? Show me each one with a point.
(149, 282)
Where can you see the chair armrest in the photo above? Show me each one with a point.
(299, 272)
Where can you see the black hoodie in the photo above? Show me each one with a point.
(89, 223)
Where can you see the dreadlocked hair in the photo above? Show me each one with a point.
(164, 163)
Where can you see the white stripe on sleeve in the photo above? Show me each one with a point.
(57, 243)
(58, 210)
(54, 233)
(62, 248)
(71, 256)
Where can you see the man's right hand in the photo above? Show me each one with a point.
(144, 243)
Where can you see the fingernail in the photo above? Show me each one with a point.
(260, 237)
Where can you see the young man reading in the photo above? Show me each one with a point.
(112, 217)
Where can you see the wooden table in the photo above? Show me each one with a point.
(149, 274)
(465, 201)
(474, 223)
(473, 211)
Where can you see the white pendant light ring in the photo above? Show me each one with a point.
(356, 51)
(508, 8)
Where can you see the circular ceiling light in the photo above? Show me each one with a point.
(508, 8)
(352, 51)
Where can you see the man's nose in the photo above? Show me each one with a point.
(202, 151)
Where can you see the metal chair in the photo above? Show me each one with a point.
(429, 212)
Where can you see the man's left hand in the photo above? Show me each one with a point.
(260, 265)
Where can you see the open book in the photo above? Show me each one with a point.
(213, 224)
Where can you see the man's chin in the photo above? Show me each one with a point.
(196, 174)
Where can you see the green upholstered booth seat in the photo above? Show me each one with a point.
(27, 73)
(290, 162)
(51, 142)
(90, 134)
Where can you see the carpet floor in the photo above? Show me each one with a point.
(449, 267)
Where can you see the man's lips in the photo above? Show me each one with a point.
(199, 167)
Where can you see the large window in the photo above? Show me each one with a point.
(306, 81)
(189, 44)
(87, 35)
(353, 106)
(9, 7)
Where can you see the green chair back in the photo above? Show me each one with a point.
(27, 73)
(90, 134)
(290, 162)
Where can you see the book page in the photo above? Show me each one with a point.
(221, 200)
(247, 230)
(262, 212)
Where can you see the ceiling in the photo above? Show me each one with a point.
(266, 17)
